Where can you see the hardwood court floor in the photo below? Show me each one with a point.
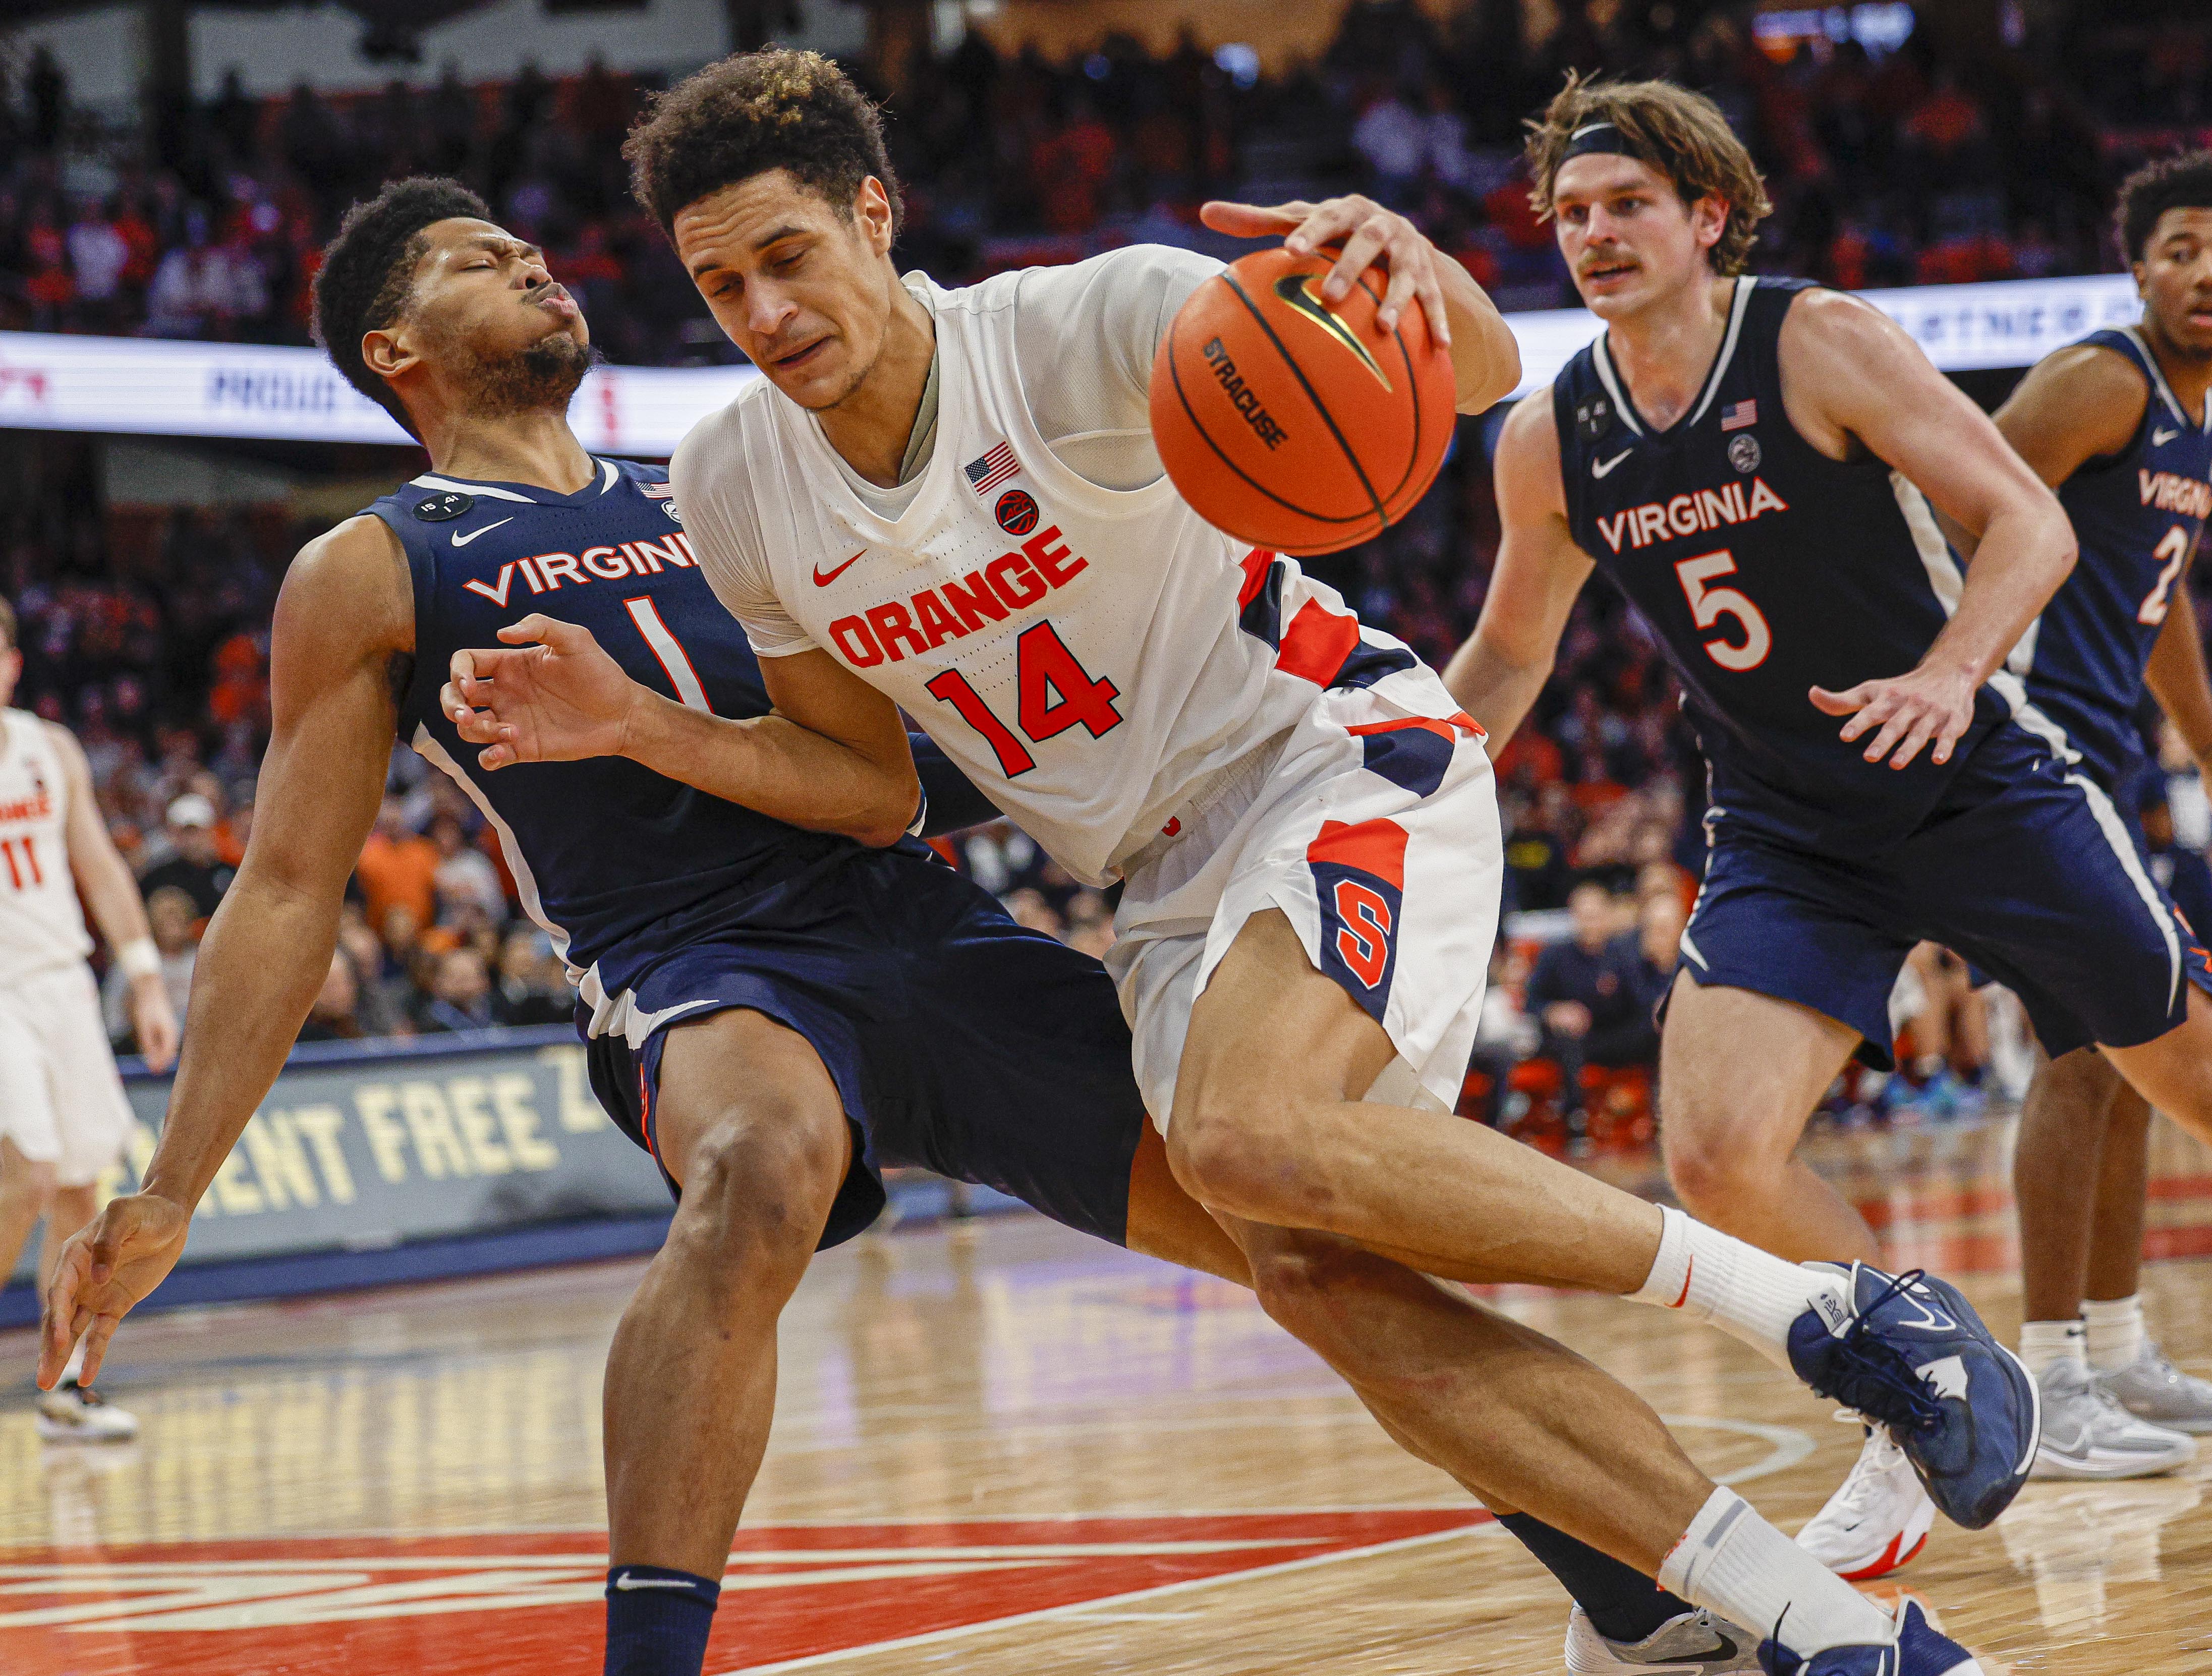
(1009, 1454)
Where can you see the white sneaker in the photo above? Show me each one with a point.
(2087, 1435)
(1695, 1644)
(1878, 1519)
(74, 1413)
(2152, 1388)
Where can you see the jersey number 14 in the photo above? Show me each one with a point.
(1053, 693)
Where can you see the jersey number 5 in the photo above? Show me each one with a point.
(1052, 691)
(1709, 606)
(2173, 550)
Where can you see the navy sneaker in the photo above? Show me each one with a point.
(1918, 1650)
(1910, 1354)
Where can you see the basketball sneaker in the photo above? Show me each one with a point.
(1878, 1519)
(2152, 1388)
(1918, 1650)
(2087, 1435)
(1697, 1644)
(74, 1413)
(1908, 1353)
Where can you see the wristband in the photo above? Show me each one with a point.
(139, 958)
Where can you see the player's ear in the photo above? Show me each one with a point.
(388, 351)
(871, 209)
(1708, 219)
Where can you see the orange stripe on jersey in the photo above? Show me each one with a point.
(1317, 643)
(1376, 848)
(644, 1111)
(1426, 724)
(1255, 565)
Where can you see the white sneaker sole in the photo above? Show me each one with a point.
(2106, 1466)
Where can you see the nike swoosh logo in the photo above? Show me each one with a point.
(628, 1583)
(1722, 1654)
(2159, 438)
(823, 581)
(460, 540)
(1599, 467)
(1297, 291)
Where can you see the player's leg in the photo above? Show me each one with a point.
(749, 1122)
(1731, 1119)
(27, 1189)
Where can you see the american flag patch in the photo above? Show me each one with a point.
(995, 468)
(1743, 413)
(658, 491)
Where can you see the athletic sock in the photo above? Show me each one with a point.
(1733, 1562)
(1621, 1603)
(2045, 1344)
(1747, 1293)
(2115, 1332)
(657, 1621)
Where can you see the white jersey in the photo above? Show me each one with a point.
(1094, 659)
(41, 926)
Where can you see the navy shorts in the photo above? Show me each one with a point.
(958, 1042)
(2026, 869)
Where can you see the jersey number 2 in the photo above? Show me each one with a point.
(1709, 606)
(1053, 693)
(2173, 550)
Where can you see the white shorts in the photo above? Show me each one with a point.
(1372, 825)
(61, 1101)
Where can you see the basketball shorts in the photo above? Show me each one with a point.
(61, 1101)
(958, 1042)
(1372, 825)
(2026, 869)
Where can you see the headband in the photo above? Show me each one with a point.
(1596, 136)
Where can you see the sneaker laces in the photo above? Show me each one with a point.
(1874, 1377)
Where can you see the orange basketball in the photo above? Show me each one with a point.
(1295, 424)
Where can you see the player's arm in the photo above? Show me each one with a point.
(1498, 674)
(831, 757)
(1486, 356)
(344, 623)
(103, 879)
(1849, 374)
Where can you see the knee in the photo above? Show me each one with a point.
(757, 1191)
(1229, 1151)
(1715, 1169)
(1309, 1285)
(27, 1189)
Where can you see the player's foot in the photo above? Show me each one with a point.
(1878, 1519)
(1918, 1650)
(2087, 1435)
(1909, 1352)
(74, 1413)
(2152, 1388)
(1697, 1644)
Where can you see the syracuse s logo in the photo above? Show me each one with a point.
(1297, 291)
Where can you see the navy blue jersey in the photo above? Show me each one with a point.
(1765, 569)
(604, 849)
(2137, 515)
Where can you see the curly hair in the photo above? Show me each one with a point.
(1681, 134)
(2183, 181)
(368, 270)
(751, 113)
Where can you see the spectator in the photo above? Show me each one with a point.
(460, 997)
(171, 915)
(1585, 994)
(529, 988)
(399, 868)
(195, 867)
(335, 1014)
(464, 877)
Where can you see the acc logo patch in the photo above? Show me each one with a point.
(1743, 453)
(443, 508)
(525, 1603)
(1592, 417)
(1016, 511)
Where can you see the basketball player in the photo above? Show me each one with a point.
(773, 1011)
(1752, 462)
(1303, 822)
(64, 1118)
(2119, 424)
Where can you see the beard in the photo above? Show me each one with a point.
(543, 376)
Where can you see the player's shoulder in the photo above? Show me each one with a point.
(2095, 369)
(639, 472)
(714, 445)
(1531, 425)
(1821, 317)
(353, 578)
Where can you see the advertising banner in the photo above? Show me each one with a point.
(359, 1150)
(152, 387)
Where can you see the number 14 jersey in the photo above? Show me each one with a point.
(1765, 568)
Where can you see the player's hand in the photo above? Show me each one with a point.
(1371, 237)
(555, 699)
(154, 1022)
(105, 1268)
(1903, 713)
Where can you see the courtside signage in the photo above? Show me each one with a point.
(152, 387)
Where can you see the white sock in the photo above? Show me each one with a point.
(1747, 1293)
(2115, 1332)
(2042, 1344)
(1733, 1562)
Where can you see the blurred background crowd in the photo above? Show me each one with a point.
(1892, 160)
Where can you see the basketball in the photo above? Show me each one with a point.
(1295, 424)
